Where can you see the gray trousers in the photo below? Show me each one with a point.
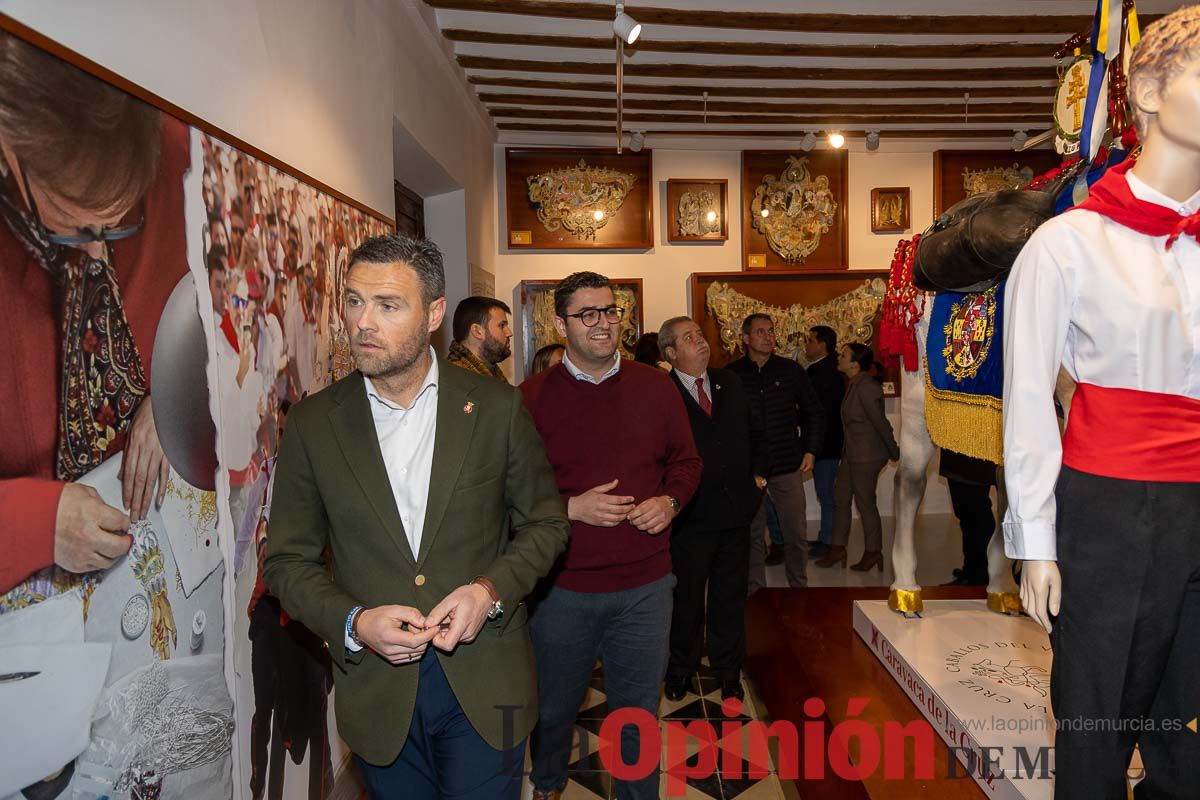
(787, 493)
(857, 480)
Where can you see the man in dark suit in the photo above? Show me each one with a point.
(711, 540)
(395, 493)
(820, 347)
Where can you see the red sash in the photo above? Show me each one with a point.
(1133, 435)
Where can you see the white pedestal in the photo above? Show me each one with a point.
(982, 680)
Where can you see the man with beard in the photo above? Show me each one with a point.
(618, 438)
(427, 491)
(482, 336)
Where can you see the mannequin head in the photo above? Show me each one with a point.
(1164, 80)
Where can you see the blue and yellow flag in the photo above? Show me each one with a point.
(964, 373)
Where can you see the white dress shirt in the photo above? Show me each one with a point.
(406, 438)
(580, 375)
(1115, 309)
(689, 383)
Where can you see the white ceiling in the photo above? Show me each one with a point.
(538, 109)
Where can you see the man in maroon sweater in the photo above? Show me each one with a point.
(618, 438)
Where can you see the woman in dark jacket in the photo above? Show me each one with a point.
(869, 445)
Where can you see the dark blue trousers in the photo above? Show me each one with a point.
(444, 757)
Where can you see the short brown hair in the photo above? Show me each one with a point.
(571, 284)
(1166, 47)
(90, 142)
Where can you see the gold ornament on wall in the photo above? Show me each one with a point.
(851, 315)
(993, 180)
(793, 210)
(699, 213)
(580, 199)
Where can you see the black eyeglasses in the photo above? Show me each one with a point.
(83, 235)
(590, 317)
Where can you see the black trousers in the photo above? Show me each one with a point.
(1127, 638)
(972, 504)
(719, 560)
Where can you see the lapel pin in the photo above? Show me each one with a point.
(718, 386)
(469, 407)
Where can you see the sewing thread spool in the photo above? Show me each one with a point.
(199, 620)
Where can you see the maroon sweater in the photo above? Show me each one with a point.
(632, 427)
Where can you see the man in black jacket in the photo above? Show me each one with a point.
(820, 347)
(781, 399)
(710, 541)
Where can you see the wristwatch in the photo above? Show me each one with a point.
(497, 609)
(674, 504)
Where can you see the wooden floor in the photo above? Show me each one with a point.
(801, 644)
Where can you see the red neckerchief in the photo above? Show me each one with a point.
(1112, 197)
(230, 334)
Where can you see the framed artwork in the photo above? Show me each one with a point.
(578, 199)
(794, 209)
(536, 301)
(958, 174)
(697, 210)
(889, 209)
(483, 283)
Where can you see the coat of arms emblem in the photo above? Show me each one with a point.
(793, 210)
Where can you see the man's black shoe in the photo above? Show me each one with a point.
(774, 555)
(675, 689)
(732, 689)
(818, 550)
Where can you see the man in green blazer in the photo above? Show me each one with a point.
(414, 509)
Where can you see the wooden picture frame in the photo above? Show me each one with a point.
(830, 169)
(628, 226)
(687, 208)
(535, 304)
(950, 166)
(890, 207)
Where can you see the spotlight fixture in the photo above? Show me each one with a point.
(1019, 139)
(872, 140)
(637, 140)
(808, 142)
(625, 26)
(836, 140)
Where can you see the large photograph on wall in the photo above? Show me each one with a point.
(166, 296)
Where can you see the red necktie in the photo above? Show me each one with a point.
(702, 398)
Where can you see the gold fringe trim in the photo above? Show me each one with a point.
(905, 602)
(1004, 602)
(969, 424)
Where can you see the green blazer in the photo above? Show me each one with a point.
(490, 477)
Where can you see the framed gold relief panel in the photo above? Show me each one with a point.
(578, 199)
(890, 209)
(697, 210)
(794, 209)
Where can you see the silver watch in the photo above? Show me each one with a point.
(674, 503)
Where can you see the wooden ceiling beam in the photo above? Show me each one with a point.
(813, 92)
(993, 50)
(656, 104)
(908, 133)
(898, 24)
(758, 72)
(866, 117)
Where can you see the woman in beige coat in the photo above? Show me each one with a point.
(869, 445)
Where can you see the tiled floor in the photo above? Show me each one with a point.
(939, 549)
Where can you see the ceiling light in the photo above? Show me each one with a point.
(872, 140)
(625, 26)
(1019, 139)
(836, 140)
(808, 142)
(637, 140)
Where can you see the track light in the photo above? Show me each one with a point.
(808, 142)
(637, 140)
(836, 140)
(625, 26)
(1019, 139)
(872, 140)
